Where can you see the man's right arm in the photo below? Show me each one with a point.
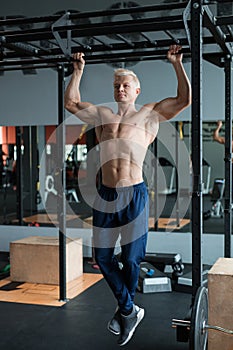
(72, 96)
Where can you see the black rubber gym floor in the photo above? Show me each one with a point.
(81, 323)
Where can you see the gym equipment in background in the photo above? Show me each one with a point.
(49, 187)
(206, 175)
(166, 262)
(151, 280)
(169, 171)
(217, 209)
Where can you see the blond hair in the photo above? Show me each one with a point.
(123, 72)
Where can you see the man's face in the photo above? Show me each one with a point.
(125, 89)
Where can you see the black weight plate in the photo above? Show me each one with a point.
(199, 318)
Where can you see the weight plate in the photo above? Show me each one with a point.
(199, 319)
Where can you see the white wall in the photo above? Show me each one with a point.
(28, 99)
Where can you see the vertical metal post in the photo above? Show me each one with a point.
(61, 183)
(19, 175)
(177, 180)
(30, 162)
(197, 199)
(155, 165)
(228, 159)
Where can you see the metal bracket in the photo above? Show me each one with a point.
(228, 159)
(64, 44)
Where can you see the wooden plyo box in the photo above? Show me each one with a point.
(35, 259)
(220, 287)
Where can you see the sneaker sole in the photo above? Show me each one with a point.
(140, 316)
(112, 330)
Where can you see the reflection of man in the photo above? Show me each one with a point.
(122, 203)
(217, 137)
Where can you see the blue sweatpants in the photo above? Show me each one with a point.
(121, 213)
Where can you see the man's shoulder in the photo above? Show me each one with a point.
(150, 106)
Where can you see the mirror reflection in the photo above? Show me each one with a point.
(29, 171)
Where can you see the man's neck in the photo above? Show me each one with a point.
(126, 109)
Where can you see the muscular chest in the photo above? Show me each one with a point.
(123, 131)
(123, 141)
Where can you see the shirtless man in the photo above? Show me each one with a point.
(122, 203)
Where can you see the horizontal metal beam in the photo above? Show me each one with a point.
(222, 1)
(224, 20)
(209, 2)
(36, 61)
(94, 14)
(104, 57)
(16, 68)
(215, 58)
(21, 48)
(95, 60)
(99, 60)
(220, 37)
(121, 47)
(103, 28)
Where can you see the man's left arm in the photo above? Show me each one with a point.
(171, 106)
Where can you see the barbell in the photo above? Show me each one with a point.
(196, 328)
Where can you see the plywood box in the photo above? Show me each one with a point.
(35, 259)
(220, 287)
